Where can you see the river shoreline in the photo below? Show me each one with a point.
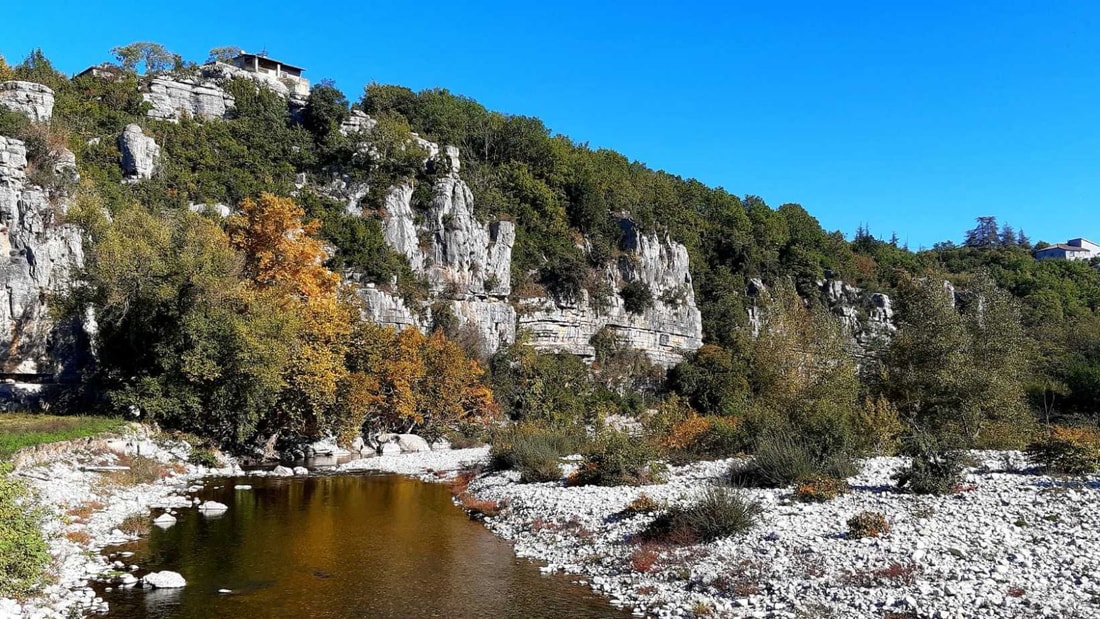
(1013, 544)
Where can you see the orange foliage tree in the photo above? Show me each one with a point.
(406, 381)
(282, 253)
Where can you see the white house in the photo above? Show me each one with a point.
(1073, 249)
(289, 74)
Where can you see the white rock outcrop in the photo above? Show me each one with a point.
(174, 98)
(140, 153)
(37, 258)
(665, 331)
(34, 101)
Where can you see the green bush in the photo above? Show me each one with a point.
(203, 457)
(782, 459)
(933, 468)
(867, 524)
(720, 512)
(1069, 451)
(619, 459)
(637, 297)
(23, 552)
(532, 450)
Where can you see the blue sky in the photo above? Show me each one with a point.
(913, 118)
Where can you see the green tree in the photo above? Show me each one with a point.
(153, 57)
(224, 54)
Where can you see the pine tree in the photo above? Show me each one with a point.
(985, 234)
(1008, 236)
(1022, 240)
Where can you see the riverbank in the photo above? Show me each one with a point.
(1011, 544)
(97, 492)
(105, 490)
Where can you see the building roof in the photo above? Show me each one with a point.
(269, 59)
(1065, 247)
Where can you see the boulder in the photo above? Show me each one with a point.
(326, 447)
(282, 471)
(164, 580)
(213, 506)
(164, 520)
(139, 153)
(301, 470)
(411, 443)
(172, 99)
(34, 101)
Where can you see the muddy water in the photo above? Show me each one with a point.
(342, 546)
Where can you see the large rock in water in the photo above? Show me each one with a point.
(34, 101)
(140, 153)
(38, 255)
(164, 580)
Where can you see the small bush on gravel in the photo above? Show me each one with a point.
(142, 471)
(534, 451)
(136, 524)
(619, 459)
(782, 459)
(933, 468)
(23, 552)
(867, 524)
(819, 489)
(644, 504)
(720, 512)
(1066, 450)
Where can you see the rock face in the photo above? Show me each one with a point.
(34, 101)
(666, 330)
(467, 265)
(140, 153)
(868, 317)
(37, 257)
(174, 98)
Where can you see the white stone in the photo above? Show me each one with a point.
(164, 521)
(213, 506)
(140, 153)
(34, 101)
(282, 471)
(164, 580)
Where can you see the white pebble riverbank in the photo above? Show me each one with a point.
(1016, 545)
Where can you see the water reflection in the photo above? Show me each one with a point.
(343, 546)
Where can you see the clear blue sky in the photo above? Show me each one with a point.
(910, 117)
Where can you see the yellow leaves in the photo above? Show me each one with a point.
(6, 72)
(281, 250)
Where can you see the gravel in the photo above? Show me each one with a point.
(1012, 544)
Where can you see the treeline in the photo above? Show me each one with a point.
(949, 371)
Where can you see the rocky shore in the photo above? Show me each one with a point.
(1012, 543)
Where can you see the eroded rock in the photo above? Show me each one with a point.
(34, 101)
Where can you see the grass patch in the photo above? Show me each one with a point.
(19, 430)
(136, 524)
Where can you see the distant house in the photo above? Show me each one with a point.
(106, 71)
(1073, 249)
(287, 73)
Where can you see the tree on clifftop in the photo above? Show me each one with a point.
(152, 56)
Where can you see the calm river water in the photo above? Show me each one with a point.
(342, 546)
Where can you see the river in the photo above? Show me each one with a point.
(342, 546)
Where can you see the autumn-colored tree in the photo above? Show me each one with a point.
(282, 253)
(407, 381)
(6, 72)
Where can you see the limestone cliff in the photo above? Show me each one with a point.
(467, 266)
(37, 256)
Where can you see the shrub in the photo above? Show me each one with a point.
(867, 524)
(644, 504)
(142, 471)
(23, 552)
(782, 459)
(933, 469)
(136, 524)
(534, 451)
(618, 459)
(1066, 450)
(637, 297)
(820, 489)
(720, 512)
(644, 557)
(203, 457)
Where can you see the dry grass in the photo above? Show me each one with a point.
(80, 537)
(479, 508)
(137, 524)
(85, 509)
(643, 558)
(895, 574)
(142, 471)
(742, 579)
